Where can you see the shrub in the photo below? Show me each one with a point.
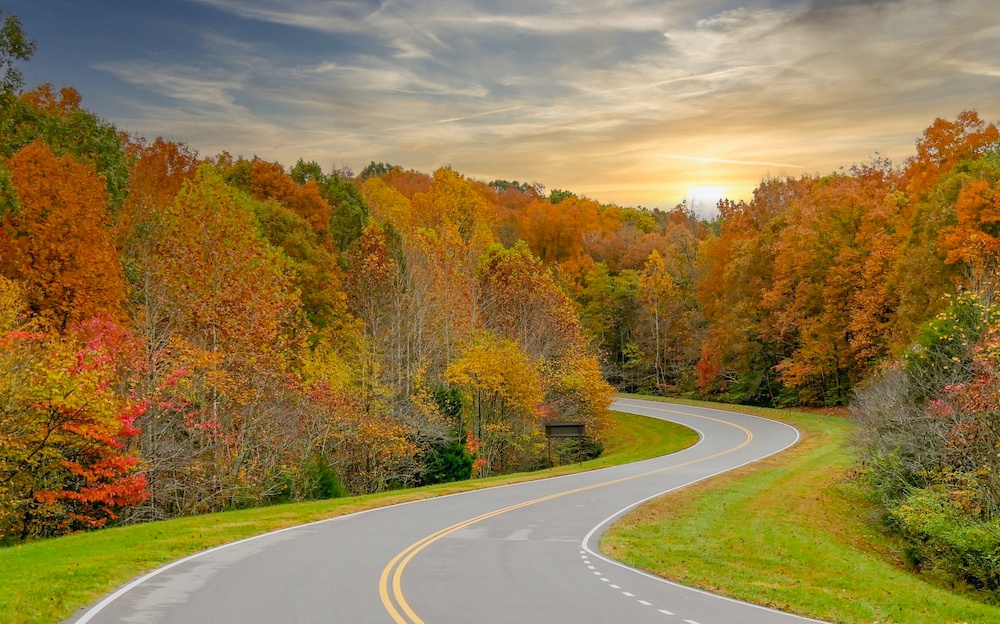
(326, 482)
(946, 542)
(447, 462)
(569, 451)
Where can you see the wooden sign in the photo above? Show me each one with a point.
(564, 430)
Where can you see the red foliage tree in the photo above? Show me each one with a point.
(63, 461)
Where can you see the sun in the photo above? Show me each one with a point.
(705, 198)
(707, 194)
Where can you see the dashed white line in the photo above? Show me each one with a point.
(624, 593)
(586, 561)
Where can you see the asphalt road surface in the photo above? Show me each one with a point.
(516, 554)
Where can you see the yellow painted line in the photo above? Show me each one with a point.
(391, 592)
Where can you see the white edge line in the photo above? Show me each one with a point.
(597, 529)
(91, 612)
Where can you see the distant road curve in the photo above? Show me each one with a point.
(518, 554)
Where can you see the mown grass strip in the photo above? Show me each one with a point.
(47, 581)
(790, 532)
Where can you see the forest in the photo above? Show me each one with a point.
(185, 334)
(182, 333)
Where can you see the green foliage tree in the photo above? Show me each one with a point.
(14, 46)
(349, 212)
(558, 195)
(376, 169)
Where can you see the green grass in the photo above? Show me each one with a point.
(790, 532)
(47, 581)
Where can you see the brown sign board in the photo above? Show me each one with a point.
(564, 430)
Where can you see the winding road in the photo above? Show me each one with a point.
(520, 554)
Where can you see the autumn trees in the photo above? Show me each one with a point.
(181, 334)
(815, 282)
(793, 297)
(504, 391)
(929, 414)
(930, 432)
(445, 305)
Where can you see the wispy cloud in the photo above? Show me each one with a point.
(730, 161)
(978, 69)
(210, 89)
(483, 114)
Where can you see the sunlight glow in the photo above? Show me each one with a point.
(704, 199)
(707, 194)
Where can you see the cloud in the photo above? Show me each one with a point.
(586, 95)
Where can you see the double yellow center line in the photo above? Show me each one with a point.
(390, 583)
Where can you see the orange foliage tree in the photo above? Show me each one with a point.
(742, 344)
(822, 254)
(945, 144)
(974, 239)
(58, 241)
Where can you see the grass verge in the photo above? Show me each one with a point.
(47, 581)
(789, 532)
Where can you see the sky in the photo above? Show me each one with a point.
(638, 103)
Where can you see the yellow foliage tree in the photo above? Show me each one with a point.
(503, 390)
